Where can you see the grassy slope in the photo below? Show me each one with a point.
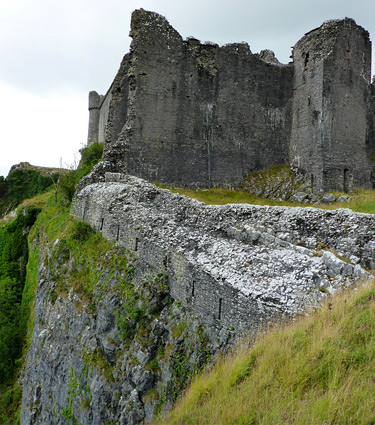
(318, 370)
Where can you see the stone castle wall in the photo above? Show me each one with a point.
(234, 265)
(98, 119)
(372, 122)
(199, 115)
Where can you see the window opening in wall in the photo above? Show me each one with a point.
(136, 244)
(220, 307)
(348, 50)
(118, 233)
(312, 179)
(346, 172)
(101, 224)
(305, 60)
(193, 289)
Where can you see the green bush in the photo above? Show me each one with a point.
(13, 260)
(81, 231)
(90, 156)
(10, 338)
(10, 401)
(68, 185)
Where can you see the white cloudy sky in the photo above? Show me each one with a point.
(53, 52)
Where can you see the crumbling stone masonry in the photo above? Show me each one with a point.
(232, 265)
(199, 115)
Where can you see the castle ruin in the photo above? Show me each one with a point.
(199, 115)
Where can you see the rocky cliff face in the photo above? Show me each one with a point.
(121, 326)
(109, 346)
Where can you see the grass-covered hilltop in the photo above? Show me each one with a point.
(83, 323)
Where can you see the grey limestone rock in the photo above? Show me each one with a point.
(299, 197)
(343, 198)
(328, 198)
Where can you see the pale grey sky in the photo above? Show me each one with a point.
(53, 52)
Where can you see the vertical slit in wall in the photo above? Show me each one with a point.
(193, 289)
(220, 308)
(101, 224)
(165, 263)
(136, 244)
(346, 189)
(118, 233)
(305, 60)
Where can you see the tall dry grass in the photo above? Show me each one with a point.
(319, 369)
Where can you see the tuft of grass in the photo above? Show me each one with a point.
(316, 370)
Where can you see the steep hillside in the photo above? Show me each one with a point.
(25, 181)
(19, 264)
(109, 318)
(109, 345)
(319, 370)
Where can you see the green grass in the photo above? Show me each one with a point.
(318, 370)
(219, 196)
(361, 200)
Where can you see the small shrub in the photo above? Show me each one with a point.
(67, 186)
(90, 156)
(153, 366)
(81, 231)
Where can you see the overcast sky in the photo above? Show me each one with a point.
(53, 52)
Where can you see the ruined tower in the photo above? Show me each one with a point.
(329, 140)
(187, 113)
